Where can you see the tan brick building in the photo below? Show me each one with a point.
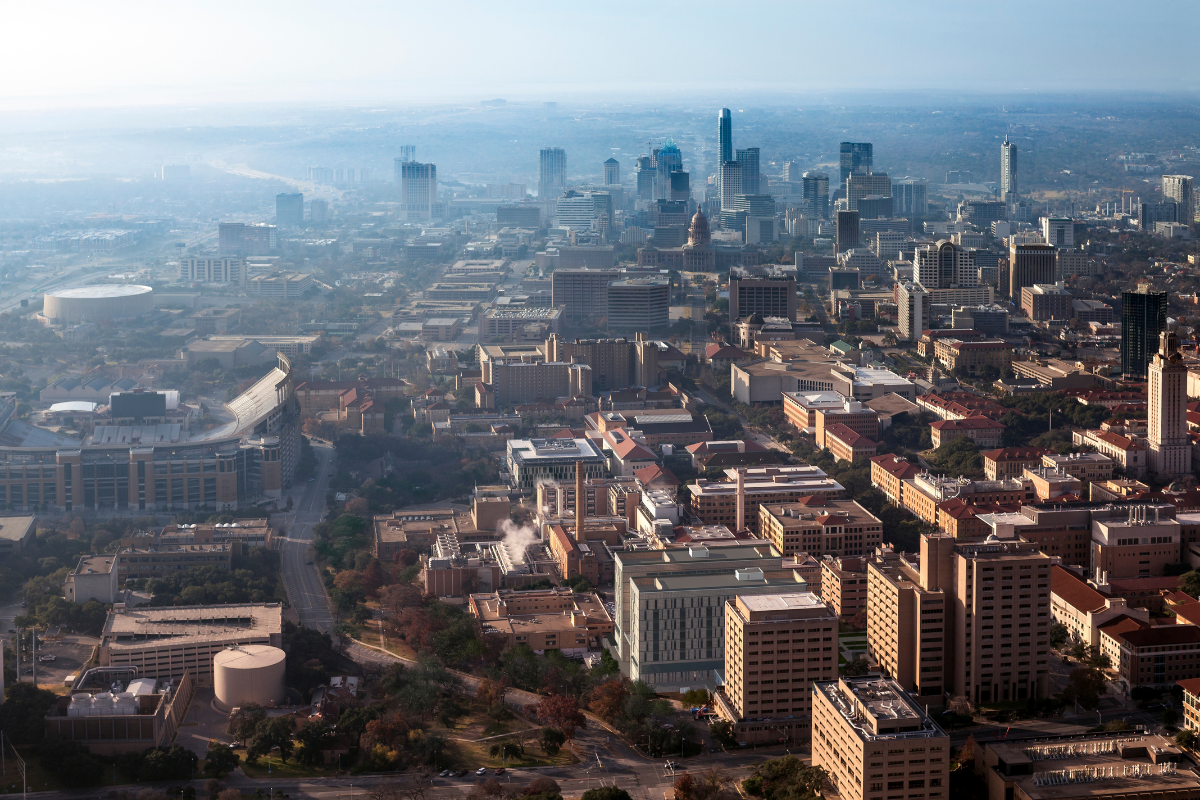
(847, 445)
(776, 647)
(844, 584)
(985, 432)
(877, 743)
(818, 526)
(950, 354)
(1010, 462)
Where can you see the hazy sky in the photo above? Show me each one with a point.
(70, 54)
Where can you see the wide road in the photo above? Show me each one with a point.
(305, 591)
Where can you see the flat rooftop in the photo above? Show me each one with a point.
(135, 628)
(95, 565)
(14, 529)
(781, 602)
(878, 709)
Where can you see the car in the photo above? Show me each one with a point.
(444, 773)
(462, 773)
(481, 771)
(309, 563)
(47, 658)
(499, 770)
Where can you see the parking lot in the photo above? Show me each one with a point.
(69, 656)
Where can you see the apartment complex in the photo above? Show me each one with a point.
(776, 647)
(859, 725)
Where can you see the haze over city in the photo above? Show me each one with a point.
(622, 402)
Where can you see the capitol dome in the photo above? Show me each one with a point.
(698, 234)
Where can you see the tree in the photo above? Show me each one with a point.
(722, 733)
(212, 786)
(505, 750)
(1084, 686)
(858, 666)
(1186, 739)
(685, 787)
(271, 733)
(606, 793)
(562, 712)
(23, 714)
(607, 699)
(220, 760)
(543, 788)
(245, 721)
(1189, 583)
(551, 741)
(695, 698)
(1058, 635)
(311, 737)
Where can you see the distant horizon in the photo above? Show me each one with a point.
(68, 55)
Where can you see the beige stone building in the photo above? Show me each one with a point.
(818, 526)
(776, 647)
(877, 743)
(907, 623)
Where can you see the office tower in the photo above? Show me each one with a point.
(418, 190)
(1008, 172)
(575, 210)
(729, 181)
(945, 265)
(1178, 189)
(681, 186)
(1029, 264)
(639, 305)
(860, 723)
(668, 159)
(289, 210)
(552, 172)
(792, 172)
(912, 310)
(1143, 318)
(873, 206)
(248, 240)
(319, 211)
(860, 186)
(748, 161)
(1150, 213)
(847, 230)
(815, 194)
(766, 296)
(583, 293)
(612, 172)
(856, 158)
(1059, 231)
(1170, 446)
(753, 624)
(910, 197)
(645, 178)
(724, 137)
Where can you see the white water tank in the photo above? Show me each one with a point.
(249, 673)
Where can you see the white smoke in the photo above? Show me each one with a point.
(517, 538)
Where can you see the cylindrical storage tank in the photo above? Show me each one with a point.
(250, 673)
(97, 303)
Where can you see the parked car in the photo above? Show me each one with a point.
(481, 771)
(499, 770)
(444, 773)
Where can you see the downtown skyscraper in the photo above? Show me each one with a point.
(855, 158)
(724, 137)
(1008, 172)
(552, 172)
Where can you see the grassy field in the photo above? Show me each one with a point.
(467, 753)
(292, 769)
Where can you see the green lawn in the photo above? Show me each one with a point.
(292, 769)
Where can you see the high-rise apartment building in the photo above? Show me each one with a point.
(768, 697)
(552, 172)
(1029, 264)
(1178, 188)
(612, 172)
(724, 137)
(1170, 446)
(748, 159)
(910, 197)
(639, 305)
(792, 171)
(945, 265)
(729, 182)
(253, 239)
(418, 190)
(319, 211)
(993, 643)
(769, 297)
(855, 159)
(1059, 231)
(1008, 172)
(645, 178)
(847, 231)
(877, 184)
(861, 724)
(583, 293)
(814, 187)
(681, 186)
(289, 210)
(1143, 318)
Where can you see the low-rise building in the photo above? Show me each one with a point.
(157, 560)
(820, 527)
(773, 703)
(1087, 467)
(1010, 462)
(1050, 484)
(1157, 657)
(543, 619)
(716, 502)
(1046, 301)
(985, 432)
(951, 354)
(533, 461)
(848, 445)
(1082, 609)
(853, 415)
(888, 473)
(860, 723)
(1128, 453)
(732, 453)
(94, 578)
(1141, 542)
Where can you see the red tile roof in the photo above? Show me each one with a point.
(1123, 623)
(1017, 453)
(1191, 686)
(1074, 590)
(724, 352)
(968, 424)
(896, 466)
(1167, 635)
(655, 472)
(1188, 612)
(846, 435)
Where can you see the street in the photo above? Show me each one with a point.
(305, 590)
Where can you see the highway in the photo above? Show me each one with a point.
(305, 590)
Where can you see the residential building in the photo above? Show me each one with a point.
(1009, 190)
(1046, 301)
(1178, 189)
(1029, 264)
(748, 166)
(552, 172)
(910, 197)
(912, 302)
(1168, 441)
(768, 703)
(1010, 462)
(858, 724)
(945, 265)
(819, 526)
(815, 195)
(844, 584)
(1143, 318)
(186, 638)
(226, 270)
